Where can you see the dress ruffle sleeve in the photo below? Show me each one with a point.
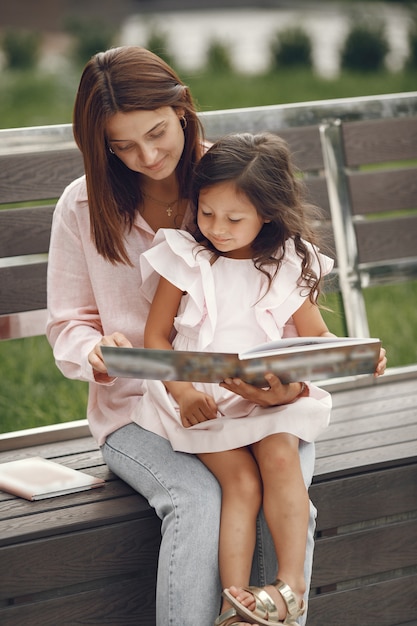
(275, 310)
(176, 256)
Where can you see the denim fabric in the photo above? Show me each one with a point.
(187, 498)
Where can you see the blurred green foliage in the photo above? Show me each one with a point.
(89, 37)
(219, 58)
(21, 49)
(365, 48)
(292, 47)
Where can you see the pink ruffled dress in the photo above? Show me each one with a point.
(224, 309)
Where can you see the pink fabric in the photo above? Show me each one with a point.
(225, 309)
(89, 297)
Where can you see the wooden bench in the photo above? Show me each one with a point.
(90, 558)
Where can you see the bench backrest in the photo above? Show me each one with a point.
(359, 161)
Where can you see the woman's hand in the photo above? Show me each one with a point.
(382, 363)
(278, 393)
(95, 357)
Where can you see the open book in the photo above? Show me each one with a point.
(36, 478)
(294, 359)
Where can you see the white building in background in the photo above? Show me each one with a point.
(248, 32)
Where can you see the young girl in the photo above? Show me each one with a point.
(250, 272)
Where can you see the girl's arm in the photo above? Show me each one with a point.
(309, 322)
(195, 406)
(161, 316)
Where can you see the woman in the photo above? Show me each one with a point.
(140, 137)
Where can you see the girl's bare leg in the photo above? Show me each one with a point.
(286, 507)
(238, 475)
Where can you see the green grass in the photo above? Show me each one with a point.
(224, 91)
(392, 316)
(33, 98)
(33, 392)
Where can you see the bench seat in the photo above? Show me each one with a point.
(91, 557)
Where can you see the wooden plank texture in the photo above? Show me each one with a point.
(25, 231)
(387, 240)
(383, 190)
(378, 141)
(382, 604)
(128, 602)
(118, 550)
(365, 553)
(38, 175)
(369, 496)
(305, 146)
(23, 288)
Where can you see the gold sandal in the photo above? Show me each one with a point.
(222, 619)
(266, 612)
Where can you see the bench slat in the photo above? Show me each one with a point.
(365, 553)
(134, 545)
(382, 604)
(383, 190)
(305, 146)
(341, 464)
(303, 140)
(82, 517)
(25, 231)
(379, 141)
(387, 240)
(38, 175)
(317, 195)
(23, 288)
(354, 499)
(388, 387)
(125, 602)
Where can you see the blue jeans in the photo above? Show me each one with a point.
(187, 498)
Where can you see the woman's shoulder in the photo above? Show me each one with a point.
(72, 206)
(75, 192)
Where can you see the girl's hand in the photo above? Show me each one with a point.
(195, 407)
(278, 393)
(382, 363)
(95, 358)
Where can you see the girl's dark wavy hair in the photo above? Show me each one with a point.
(261, 168)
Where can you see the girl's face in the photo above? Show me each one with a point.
(228, 219)
(148, 142)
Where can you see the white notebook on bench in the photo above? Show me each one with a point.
(36, 478)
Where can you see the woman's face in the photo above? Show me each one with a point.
(148, 142)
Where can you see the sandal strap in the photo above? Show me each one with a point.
(290, 599)
(265, 606)
(224, 617)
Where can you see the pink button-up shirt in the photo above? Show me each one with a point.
(89, 297)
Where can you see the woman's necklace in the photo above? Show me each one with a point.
(168, 205)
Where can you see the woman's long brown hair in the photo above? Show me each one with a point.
(122, 80)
